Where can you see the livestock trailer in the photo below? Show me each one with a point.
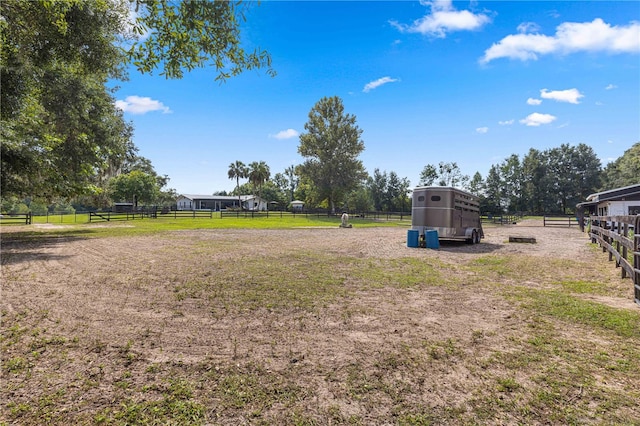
(454, 213)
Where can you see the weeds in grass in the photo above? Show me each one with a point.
(623, 322)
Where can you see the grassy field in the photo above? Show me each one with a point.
(191, 322)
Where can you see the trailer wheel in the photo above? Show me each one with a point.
(474, 238)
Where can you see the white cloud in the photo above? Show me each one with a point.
(611, 87)
(482, 130)
(444, 19)
(537, 119)
(377, 83)
(506, 122)
(528, 27)
(285, 134)
(141, 105)
(532, 101)
(570, 95)
(570, 37)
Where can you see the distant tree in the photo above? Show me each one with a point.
(512, 183)
(574, 173)
(377, 185)
(446, 174)
(586, 172)
(536, 189)
(359, 200)
(291, 174)
(13, 205)
(428, 175)
(624, 171)
(62, 207)
(451, 175)
(167, 197)
(281, 182)
(134, 187)
(258, 174)
(493, 192)
(331, 147)
(38, 207)
(402, 199)
(237, 171)
(271, 193)
(396, 193)
(305, 192)
(476, 184)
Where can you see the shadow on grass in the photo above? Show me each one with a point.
(19, 247)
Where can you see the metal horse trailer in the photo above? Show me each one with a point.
(454, 213)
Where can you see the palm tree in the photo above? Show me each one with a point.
(238, 171)
(259, 173)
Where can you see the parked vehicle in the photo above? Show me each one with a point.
(454, 213)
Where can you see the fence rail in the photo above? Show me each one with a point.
(16, 218)
(501, 220)
(192, 214)
(314, 213)
(560, 220)
(112, 216)
(620, 236)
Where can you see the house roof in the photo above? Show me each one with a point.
(297, 202)
(218, 197)
(631, 192)
(615, 193)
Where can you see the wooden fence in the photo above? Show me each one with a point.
(620, 236)
(502, 219)
(389, 216)
(191, 214)
(559, 220)
(16, 218)
(113, 216)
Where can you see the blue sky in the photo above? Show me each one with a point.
(470, 82)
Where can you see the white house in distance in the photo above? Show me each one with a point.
(220, 202)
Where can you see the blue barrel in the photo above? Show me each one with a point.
(412, 238)
(431, 239)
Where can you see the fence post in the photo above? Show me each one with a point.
(625, 233)
(636, 260)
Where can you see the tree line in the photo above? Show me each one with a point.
(66, 145)
(332, 176)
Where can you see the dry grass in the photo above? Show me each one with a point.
(316, 326)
